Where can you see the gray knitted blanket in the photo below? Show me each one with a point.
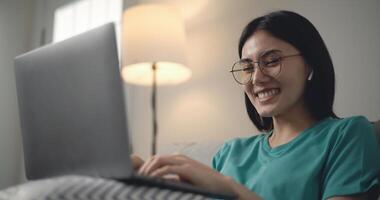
(88, 188)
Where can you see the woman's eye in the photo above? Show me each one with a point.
(249, 69)
(272, 63)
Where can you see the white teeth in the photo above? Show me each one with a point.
(268, 93)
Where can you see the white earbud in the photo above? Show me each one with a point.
(310, 76)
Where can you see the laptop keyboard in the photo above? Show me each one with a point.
(173, 186)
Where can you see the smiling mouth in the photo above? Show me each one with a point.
(267, 95)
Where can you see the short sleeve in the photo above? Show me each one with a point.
(220, 157)
(353, 163)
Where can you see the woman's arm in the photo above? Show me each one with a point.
(193, 172)
(240, 191)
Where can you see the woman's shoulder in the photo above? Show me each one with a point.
(354, 120)
(343, 125)
(351, 163)
(350, 128)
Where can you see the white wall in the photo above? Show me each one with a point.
(210, 106)
(15, 29)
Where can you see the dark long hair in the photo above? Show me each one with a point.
(299, 32)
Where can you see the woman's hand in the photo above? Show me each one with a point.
(137, 162)
(195, 173)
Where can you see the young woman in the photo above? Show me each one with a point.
(305, 151)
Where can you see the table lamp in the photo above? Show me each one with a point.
(153, 50)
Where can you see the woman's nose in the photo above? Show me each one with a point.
(258, 76)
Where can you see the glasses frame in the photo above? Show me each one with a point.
(259, 63)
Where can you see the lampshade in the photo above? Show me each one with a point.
(154, 33)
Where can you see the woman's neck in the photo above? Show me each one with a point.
(289, 125)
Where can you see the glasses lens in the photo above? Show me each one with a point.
(271, 64)
(242, 71)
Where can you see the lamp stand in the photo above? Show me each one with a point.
(154, 109)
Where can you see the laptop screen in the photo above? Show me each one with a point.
(72, 110)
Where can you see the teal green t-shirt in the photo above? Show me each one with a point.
(334, 157)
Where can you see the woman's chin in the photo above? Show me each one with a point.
(269, 112)
(266, 114)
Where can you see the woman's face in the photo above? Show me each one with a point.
(274, 96)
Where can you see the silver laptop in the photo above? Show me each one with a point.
(72, 111)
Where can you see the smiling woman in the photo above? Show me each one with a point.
(292, 34)
(305, 150)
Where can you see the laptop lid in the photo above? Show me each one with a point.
(72, 108)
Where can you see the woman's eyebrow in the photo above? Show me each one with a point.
(264, 53)
(246, 60)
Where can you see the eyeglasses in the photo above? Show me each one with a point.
(269, 64)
